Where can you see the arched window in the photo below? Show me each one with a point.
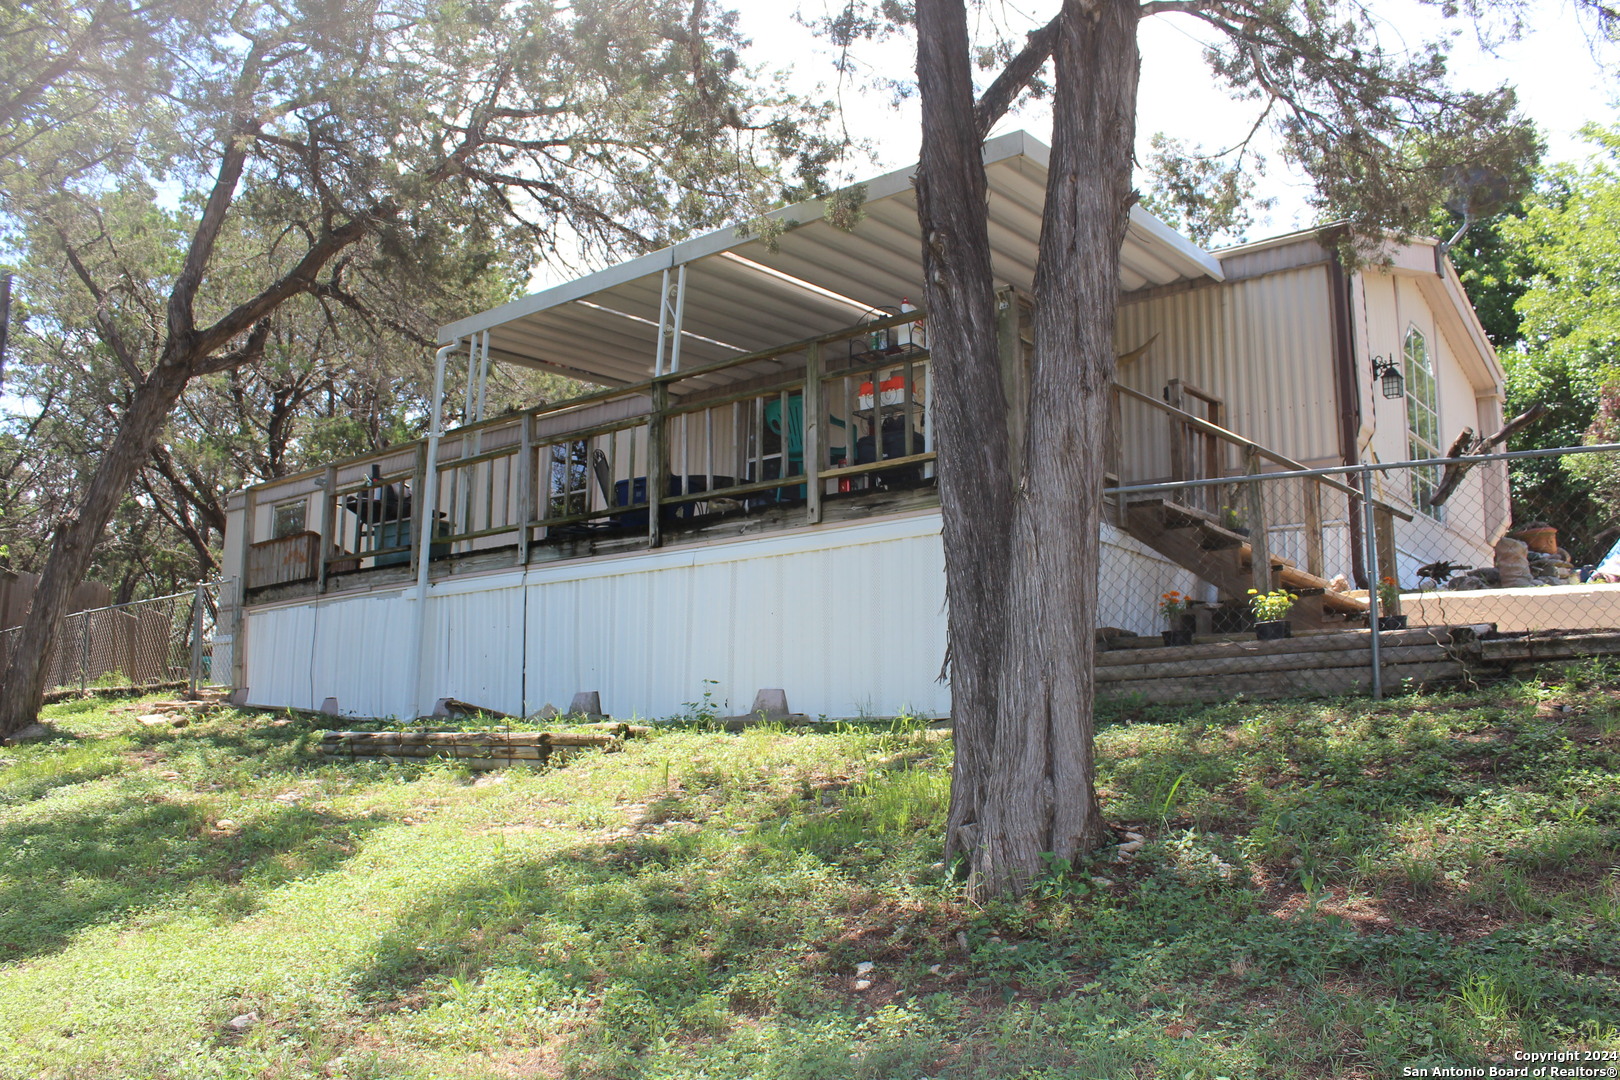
(1422, 420)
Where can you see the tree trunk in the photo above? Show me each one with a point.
(970, 407)
(23, 688)
(1021, 552)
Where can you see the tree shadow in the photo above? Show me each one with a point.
(82, 867)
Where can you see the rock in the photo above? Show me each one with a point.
(1131, 847)
(864, 967)
(936, 969)
(1513, 563)
(153, 720)
(242, 1023)
(179, 721)
(863, 984)
(1102, 882)
(1134, 836)
(31, 733)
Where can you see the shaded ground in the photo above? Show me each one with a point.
(1326, 890)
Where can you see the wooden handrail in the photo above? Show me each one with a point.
(1249, 445)
(643, 388)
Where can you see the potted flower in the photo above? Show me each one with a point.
(1389, 600)
(1232, 521)
(1175, 608)
(1271, 613)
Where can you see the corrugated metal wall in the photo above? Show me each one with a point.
(357, 650)
(850, 621)
(1263, 346)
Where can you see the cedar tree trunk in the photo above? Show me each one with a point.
(1022, 550)
(23, 686)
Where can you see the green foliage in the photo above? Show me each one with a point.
(1326, 888)
(1200, 194)
(285, 202)
(1569, 239)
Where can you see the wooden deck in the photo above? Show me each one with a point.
(1331, 663)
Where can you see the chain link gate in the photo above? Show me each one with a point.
(166, 641)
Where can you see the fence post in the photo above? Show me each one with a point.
(1372, 591)
(84, 653)
(1259, 542)
(197, 603)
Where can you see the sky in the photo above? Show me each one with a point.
(1559, 82)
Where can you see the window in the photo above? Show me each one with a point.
(288, 518)
(1422, 421)
(569, 481)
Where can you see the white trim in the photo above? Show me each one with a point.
(1146, 228)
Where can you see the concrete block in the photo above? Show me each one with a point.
(587, 703)
(771, 704)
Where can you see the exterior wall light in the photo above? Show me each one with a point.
(1387, 373)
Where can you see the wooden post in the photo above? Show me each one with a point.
(813, 453)
(328, 524)
(1384, 544)
(1259, 549)
(1179, 469)
(1115, 465)
(525, 483)
(657, 455)
(1313, 525)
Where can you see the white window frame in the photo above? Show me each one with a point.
(1422, 419)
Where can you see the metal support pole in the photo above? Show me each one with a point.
(680, 319)
(663, 323)
(197, 603)
(483, 379)
(84, 652)
(1372, 593)
(425, 507)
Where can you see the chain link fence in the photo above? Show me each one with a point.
(1267, 584)
(165, 641)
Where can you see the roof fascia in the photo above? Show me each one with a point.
(1008, 147)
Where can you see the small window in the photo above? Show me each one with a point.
(288, 518)
(570, 480)
(1422, 421)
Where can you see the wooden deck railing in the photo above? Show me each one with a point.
(1197, 452)
(842, 411)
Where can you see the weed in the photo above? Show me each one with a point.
(1351, 889)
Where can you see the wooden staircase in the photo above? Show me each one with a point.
(1196, 540)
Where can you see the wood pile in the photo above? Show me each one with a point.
(1325, 663)
(479, 749)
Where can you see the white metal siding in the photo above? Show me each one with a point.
(849, 621)
(357, 650)
(1264, 346)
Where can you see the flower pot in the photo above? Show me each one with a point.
(1392, 622)
(1542, 538)
(1275, 630)
(1177, 637)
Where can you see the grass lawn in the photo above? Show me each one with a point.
(1338, 889)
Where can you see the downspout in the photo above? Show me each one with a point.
(426, 511)
(1344, 366)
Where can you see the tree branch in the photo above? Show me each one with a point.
(249, 351)
(1015, 76)
(105, 326)
(1467, 446)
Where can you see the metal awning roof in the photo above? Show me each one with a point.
(742, 297)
